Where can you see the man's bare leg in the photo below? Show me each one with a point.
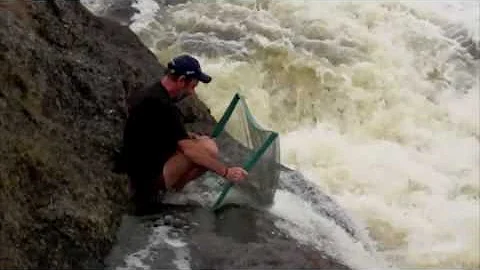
(180, 170)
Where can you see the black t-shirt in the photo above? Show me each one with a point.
(153, 129)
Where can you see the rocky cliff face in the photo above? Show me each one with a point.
(64, 77)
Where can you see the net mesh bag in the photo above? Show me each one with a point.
(257, 150)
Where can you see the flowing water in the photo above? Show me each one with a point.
(377, 103)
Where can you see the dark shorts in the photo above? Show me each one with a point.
(146, 193)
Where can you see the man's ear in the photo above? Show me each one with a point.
(182, 79)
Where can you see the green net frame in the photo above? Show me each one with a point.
(255, 156)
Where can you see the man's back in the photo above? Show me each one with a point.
(152, 131)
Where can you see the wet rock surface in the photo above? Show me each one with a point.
(233, 238)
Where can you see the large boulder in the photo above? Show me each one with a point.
(64, 76)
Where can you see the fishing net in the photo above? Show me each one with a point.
(257, 151)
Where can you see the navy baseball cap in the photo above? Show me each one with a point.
(188, 66)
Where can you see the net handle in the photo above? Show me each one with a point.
(226, 116)
(247, 166)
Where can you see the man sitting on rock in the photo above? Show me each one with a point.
(158, 153)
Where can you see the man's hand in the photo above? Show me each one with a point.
(195, 136)
(236, 174)
(192, 135)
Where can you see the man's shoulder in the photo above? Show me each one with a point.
(157, 90)
(154, 92)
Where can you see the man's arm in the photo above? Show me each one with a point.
(199, 156)
(191, 149)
